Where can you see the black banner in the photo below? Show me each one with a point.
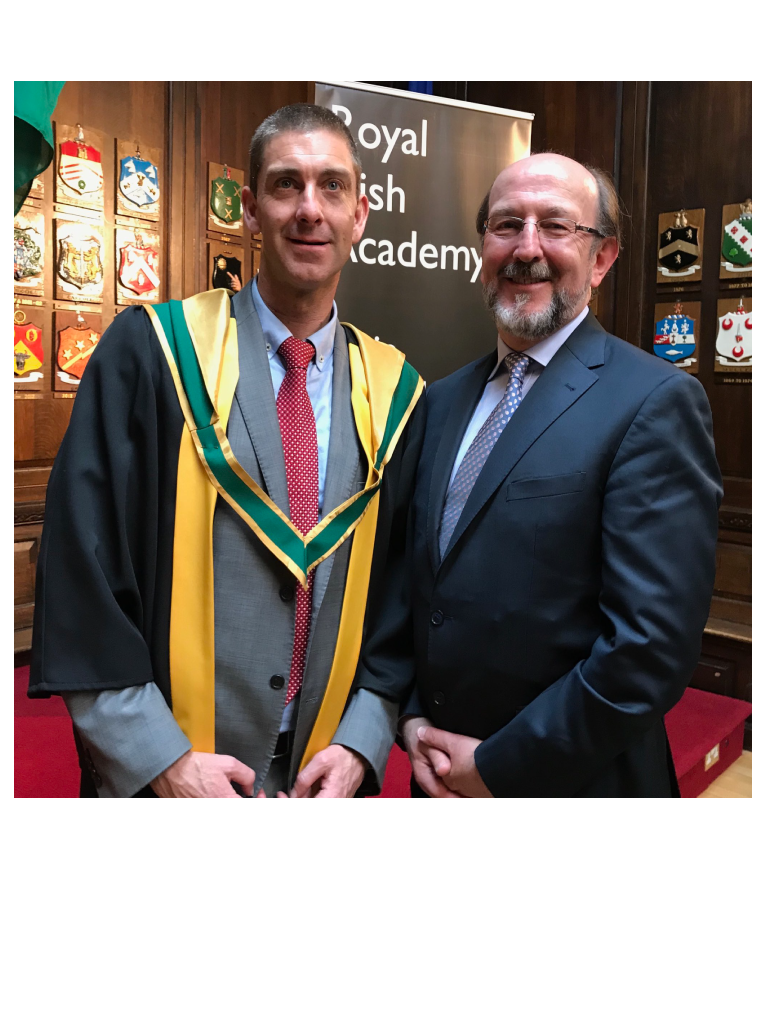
(413, 280)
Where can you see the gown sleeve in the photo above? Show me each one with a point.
(97, 569)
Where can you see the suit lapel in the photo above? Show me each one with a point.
(465, 399)
(344, 448)
(255, 396)
(343, 451)
(562, 382)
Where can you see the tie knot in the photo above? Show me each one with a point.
(296, 354)
(517, 364)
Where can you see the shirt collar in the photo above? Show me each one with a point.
(543, 351)
(275, 332)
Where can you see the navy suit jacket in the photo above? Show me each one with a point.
(566, 617)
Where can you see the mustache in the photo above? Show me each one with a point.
(526, 273)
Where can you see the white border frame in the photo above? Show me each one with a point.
(404, 93)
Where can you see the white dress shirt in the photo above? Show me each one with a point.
(540, 354)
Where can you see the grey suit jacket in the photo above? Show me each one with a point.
(131, 734)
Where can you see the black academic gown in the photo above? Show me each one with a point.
(103, 597)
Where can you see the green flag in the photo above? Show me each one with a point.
(33, 105)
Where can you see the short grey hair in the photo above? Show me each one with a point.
(608, 205)
(298, 117)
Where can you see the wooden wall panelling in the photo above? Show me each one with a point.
(133, 111)
(29, 485)
(127, 110)
(702, 157)
(39, 426)
(181, 162)
(700, 140)
(634, 158)
(26, 546)
(733, 576)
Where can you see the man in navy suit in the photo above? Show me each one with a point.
(564, 524)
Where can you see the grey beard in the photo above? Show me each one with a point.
(533, 326)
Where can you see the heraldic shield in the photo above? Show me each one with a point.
(737, 238)
(679, 245)
(80, 167)
(225, 198)
(76, 346)
(138, 181)
(734, 338)
(27, 254)
(80, 264)
(674, 339)
(27, 348)
(138, 268)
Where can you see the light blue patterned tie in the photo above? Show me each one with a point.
(478, 452)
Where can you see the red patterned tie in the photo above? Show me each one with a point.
(299, 433)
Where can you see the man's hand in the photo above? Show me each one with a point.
(428, 763)
(460, 772)
(334, 772)
(204, 775)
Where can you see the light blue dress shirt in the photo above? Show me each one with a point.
(540, 354)
(319, 376)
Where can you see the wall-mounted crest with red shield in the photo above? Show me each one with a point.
(76, 333)
(138, 265)
(28, 353)
(75, 348)
(733, 345)
(79, 167)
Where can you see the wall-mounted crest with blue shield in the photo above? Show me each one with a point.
(138, 181)
(675, 335)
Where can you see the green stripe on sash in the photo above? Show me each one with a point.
(409, 380)
(274, 524)
(280, 532)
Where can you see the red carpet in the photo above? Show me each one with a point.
(44, 749)
(397, 779)
(46, 761)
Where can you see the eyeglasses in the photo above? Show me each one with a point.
(552, 228)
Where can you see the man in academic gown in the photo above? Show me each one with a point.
(203, 646)
(564, 524)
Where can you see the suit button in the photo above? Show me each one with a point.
(438, 697)
(277, 682)
(287, 592)
(437, 618)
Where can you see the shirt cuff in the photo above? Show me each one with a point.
(130, 736)
(368, 727)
